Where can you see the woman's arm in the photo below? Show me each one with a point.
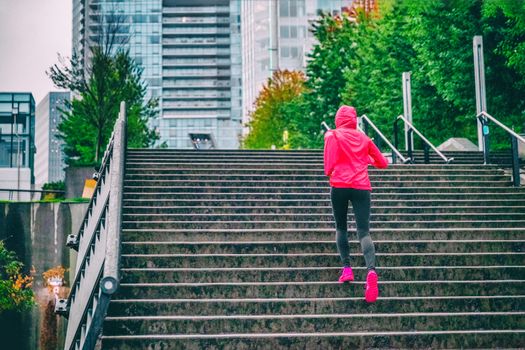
(376, 157)
(331, 149)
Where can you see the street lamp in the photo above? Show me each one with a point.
(15, 116)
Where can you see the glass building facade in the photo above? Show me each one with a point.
(49, 158)
(17, 130)
(191, 54)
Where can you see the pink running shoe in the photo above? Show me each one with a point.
(346, 275)
(371, 291)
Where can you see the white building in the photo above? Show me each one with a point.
(49, 158)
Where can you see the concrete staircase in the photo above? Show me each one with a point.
(236, 250)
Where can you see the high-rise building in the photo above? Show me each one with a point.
(17, 146)
(49, 158)
(290, 22)
(191, 54)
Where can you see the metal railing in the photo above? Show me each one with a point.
(484, 118)
(32, 193)
(98, 245)
(395, 151)
(426, 142)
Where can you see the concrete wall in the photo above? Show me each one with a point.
(75, 180)
(37, 232)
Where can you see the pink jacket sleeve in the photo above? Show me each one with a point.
(376, 158)
(331, 150)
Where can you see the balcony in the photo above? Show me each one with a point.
(197, 10)
(196, 62)
(195, 30)
(196, 83)
(193, 94)
(184, 73)
(195, 20)
(196, 105)
(196, 52)
(195, 41)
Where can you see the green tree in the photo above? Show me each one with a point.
(331, 56)
(277, 108)
(360, 61)
(15, 287)
(89, 118)
(384, 51)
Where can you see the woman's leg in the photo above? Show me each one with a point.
(340, 210)
(361, 203)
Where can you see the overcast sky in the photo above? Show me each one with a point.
(32, 32)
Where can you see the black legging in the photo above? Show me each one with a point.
(361, 203)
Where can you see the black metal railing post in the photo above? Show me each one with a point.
(426, 153)
(515, 161)
(410, 146)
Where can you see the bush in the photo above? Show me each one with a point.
(15, 287)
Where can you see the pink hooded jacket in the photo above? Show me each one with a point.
(348, 152)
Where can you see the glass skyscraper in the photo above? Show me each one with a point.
(191, 54)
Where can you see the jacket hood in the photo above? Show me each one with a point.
(346, 117)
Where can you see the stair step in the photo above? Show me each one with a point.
(312, 274)
(467, 338)
(318, 217)
(273, 202)
(326, 305)
(172, 234)
(319, 210)
(323, 247)
(206, 225)
(315, 289)
(320, 260)
(312, 323)
(306, 185)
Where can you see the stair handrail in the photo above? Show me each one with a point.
(425, 140)
(395, 151)
(483, 117)
(97, 269)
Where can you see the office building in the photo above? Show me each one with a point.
(191, 54)
(17, 146)
(49, 157)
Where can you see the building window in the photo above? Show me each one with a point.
(285, 31)
(285, 52)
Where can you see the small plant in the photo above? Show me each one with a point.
(54, 186)
(15, 287)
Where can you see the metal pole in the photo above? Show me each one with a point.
(410, 146)
(407, 107)
(15, 120)
(515, 161)
(274, 35)
(479, 74)
(426, 152)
